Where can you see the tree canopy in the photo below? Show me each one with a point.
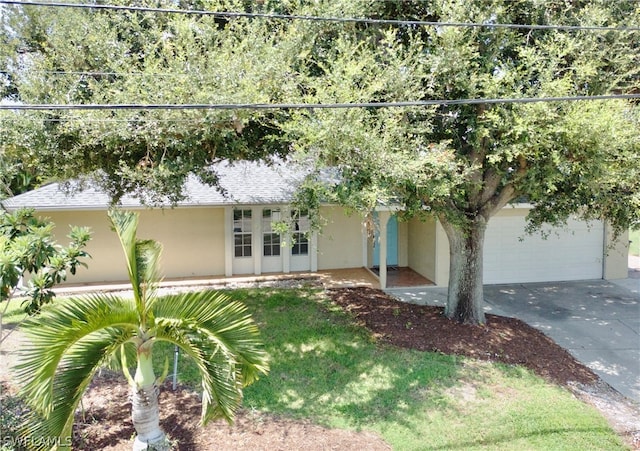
(462, 163)
(483, 154)
(68, 56)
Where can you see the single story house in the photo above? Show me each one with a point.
(213, 234)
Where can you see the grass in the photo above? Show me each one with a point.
(327, 369)
(11, 315)
(634, 237)
(14, 313)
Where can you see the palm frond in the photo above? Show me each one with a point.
(221, 337)
(220, 382)
(147, 260)
(142, 257)
(125, 224)
(123, 359)
(66, 345)
(71, 380)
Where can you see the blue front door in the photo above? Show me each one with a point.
(392, 243)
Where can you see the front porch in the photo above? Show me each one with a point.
(402, 277)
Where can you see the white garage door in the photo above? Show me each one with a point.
(572, 253)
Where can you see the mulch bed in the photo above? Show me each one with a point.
(425, 328)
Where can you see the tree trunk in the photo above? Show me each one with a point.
(465, 300)
(146, 417)
(145, 412)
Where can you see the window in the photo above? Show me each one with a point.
(242, 233)
(270, 239)
(300, 233)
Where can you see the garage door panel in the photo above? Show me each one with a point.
(511, 256)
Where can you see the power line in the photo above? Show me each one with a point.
(299, 106)
(395, 22)
(144, 120)
(98, 73)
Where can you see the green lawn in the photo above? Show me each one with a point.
(634, 237)
(14, 313)
(325, 368)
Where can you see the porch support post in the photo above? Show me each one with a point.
(365, 244)
(384, 219)
(256, 239)
(286, 249)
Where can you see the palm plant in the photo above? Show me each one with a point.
(71, 340)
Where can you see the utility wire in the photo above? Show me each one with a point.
(299, 106)
(99, 73)
(232, 14)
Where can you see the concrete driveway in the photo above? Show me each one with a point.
(598, 321)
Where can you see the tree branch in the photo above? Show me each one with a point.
(501, 198)
(476, 162)
(507, 194)
(491, 182)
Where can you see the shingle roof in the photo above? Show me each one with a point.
(244, 183)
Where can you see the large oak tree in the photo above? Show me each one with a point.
(464, 162)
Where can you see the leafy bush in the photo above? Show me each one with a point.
(27, 247)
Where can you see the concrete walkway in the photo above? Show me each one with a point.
(598, 321)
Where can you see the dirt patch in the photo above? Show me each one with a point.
(104, 422)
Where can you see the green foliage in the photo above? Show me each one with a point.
(12, 312)
(459, 162)
(16, 175)
(462, 163)
(634, 238)
(455, 161)
(27, 248)
(141, 58)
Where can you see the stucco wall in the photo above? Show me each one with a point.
(192, 239)
(340, 240)
(422, 251)
(403, 243)
(107, 261)
(616, 262)
(194, 243)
